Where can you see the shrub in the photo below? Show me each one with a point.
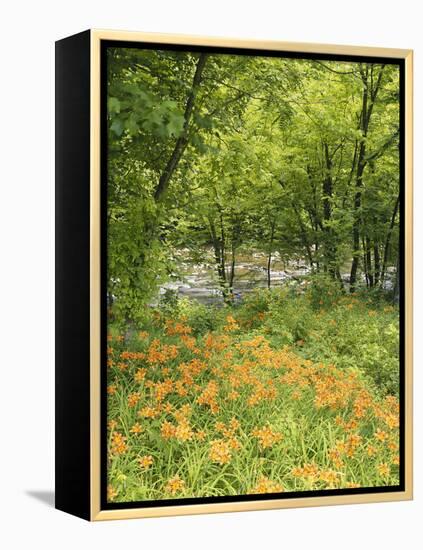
(289, 316)
(253, 309)
(323, 291)
(168, 302)
(199, 317)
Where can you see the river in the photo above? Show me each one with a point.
(199, 281)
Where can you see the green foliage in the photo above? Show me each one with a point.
(199, 317)
(254, 308)
(254, 154)
(352, 332)
(323, 291)
(169, 303)
(288, 317)
(227, 164)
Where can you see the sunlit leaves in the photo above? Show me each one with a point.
(264, 136)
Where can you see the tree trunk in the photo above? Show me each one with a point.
(370, 91)
(376, 257)
(269, 263)
(396, 296)
(369, 267)
(219, 258)
(232, 272)
(182, 141)
(269, 256)
(388, 242)
(304, 238)
(366, 274)
(303, 231)
(356, 222)
(330, 249)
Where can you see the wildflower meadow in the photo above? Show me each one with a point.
(265, 399)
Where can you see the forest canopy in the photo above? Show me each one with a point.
(212, 156)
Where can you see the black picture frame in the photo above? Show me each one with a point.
(81, 407)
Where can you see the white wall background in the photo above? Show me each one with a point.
(28, 31)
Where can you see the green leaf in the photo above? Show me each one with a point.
(113, 105)
(132, 125)
(175, 125)
(117, 127)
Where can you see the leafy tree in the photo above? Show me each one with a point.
(213, 156)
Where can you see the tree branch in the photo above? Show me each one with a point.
(383, 148)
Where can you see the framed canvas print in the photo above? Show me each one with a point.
(233, 275)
